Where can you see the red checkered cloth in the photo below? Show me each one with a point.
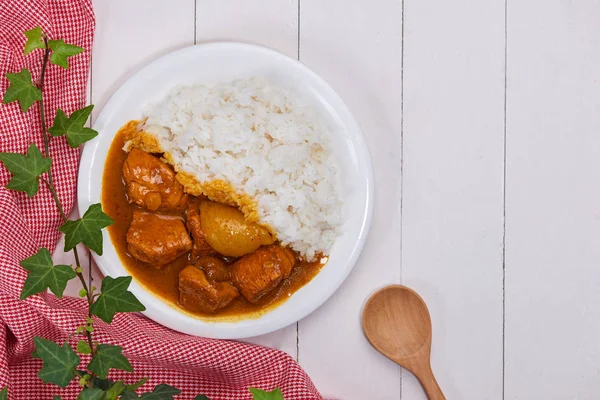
(219, 369)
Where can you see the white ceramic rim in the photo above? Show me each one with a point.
(316, 292)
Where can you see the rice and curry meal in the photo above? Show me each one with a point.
(225, 197)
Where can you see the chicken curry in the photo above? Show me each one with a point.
(198, 255)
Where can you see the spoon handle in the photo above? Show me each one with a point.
(429, 383)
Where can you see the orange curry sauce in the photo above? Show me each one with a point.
(163, 281)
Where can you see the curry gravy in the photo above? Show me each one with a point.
(163, 281)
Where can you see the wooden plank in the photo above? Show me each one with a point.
(553, 200)
(130, 34)
(452, 225)
(269, 23)
(356, 47)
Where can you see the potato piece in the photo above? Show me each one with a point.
(227, 231)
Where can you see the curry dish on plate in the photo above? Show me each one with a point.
(199, 255)
(225, 197)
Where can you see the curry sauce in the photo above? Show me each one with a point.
(163, 281)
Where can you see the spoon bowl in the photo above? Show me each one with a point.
(396, 322)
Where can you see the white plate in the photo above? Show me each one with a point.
(210, 63)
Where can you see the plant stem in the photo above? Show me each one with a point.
(87, 288)
(50, 184)
(90, 270)
(43, 117)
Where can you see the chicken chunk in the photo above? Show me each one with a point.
(201, 246)
(214, 268)
(151, 183)
(258, 273)
(197, 293)
(157, 239)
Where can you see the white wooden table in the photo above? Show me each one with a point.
(483, 120)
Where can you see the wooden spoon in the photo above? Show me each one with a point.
(397, 323)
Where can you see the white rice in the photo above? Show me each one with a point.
(264, 141)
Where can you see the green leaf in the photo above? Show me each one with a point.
(34, 40)
(26, 169)
(43, 275)
(115, 390)
(201, 397)
(56, 397)
(61, 51)
(103, 384)
(91, 394)
(115, 298)
(161, 392)
(87, 229)
(83, 381)
(4, 393)
(259, 394)
(83, 347)
(107, 357)
(73, 126)
(134, 386)
(59, 361)
(22, 90)
(81, 373)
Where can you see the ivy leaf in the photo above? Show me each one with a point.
(259, 394)
(26, 169)
(34, 40)
(73, 126)
(134, 386)
(115, 298)
(87, 229)
(103, 384)
(61, 51)
(201, 397)
(108, 356)
(4, 393)
(59, 362)
(115, 390)
(79, 372)
(44, 275)
(91, 394)
(83, 347)
(22, 89)
(161, 392)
